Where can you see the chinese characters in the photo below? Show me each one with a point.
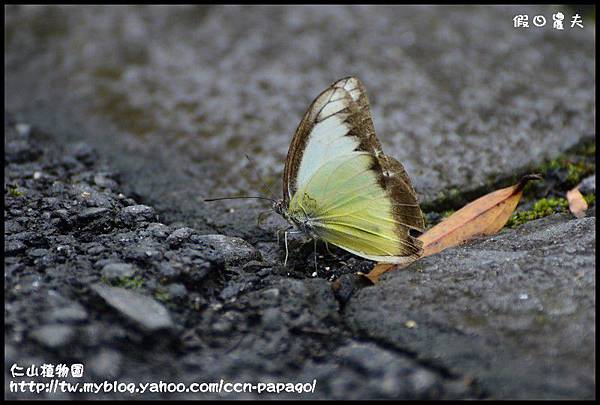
(48, 370)
(522, 21)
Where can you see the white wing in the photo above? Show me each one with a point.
(328, 138)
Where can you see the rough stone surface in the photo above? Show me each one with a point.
(118, 270)
(515, 311)
(232, 311)
(121, 121)
(71, 313)
(136, 213)
(233, 250)
(588, 185)
(140, 309)
(106, 364)
(53, 336)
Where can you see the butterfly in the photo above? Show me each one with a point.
(339, 186)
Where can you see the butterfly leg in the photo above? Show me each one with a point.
(281, 230)
(286, 249)
(327, 247)
(315, 251)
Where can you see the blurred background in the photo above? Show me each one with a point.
(176, 96)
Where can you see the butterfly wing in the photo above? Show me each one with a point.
(394, 175)
(322, 134)
(346, 205)
(337, 177)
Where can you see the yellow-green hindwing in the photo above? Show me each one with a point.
(345, 205)
(340, 185)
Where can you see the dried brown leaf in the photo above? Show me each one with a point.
(577, 204)
(378, 270)
(482, 217)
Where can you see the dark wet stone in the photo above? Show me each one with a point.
(140, 309)
(167, 270)
(179, 235)
(264, 272)
(255, 266)
(13, 246)
(201, 256)
(158, 230)
(24, 130)
(38, 252)
(19, 151)
(97, 334)
(53, 336)
(118, 270)
(146, 251)
(95, 249)
(222, 326)
(62, 218)
(136, 213)
(105, 364)
(89, 196)
(11, 227)
(347, 284)
(30, 238)
(177, 291)
(51, 203)
(104, 180)
(393, 376)
(433, 217)
(233, 250)
(272, 319)
(71, 312)
(497, 310)
(9, 353)
(197, 270)
(588, 185)
(232, 290)
(92, 213)
(270, 294)
(85, 153)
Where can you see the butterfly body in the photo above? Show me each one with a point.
(340, 187)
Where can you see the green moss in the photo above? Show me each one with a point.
(433, 218)
(560, 175)
(13, 191)
(162, 295)
(131, 283)
(542, 208)
(589, 150)
(574, 168)
(590, 199)
(447, 213)
(577, 171)
(453, 192)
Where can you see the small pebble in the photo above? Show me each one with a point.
(118, 270)
(53, 336)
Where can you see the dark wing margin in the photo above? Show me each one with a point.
(391, 174)
(394, 177)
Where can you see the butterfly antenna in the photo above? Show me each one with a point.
(264, 183)
(237, 198)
